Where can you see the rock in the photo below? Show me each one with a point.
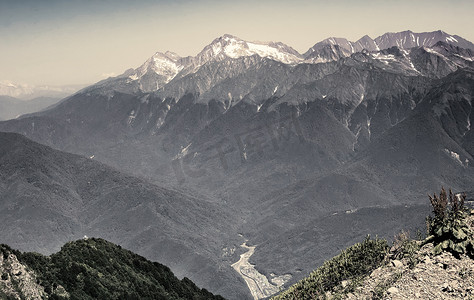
(392, 290)
(397, 264)
(446, 288)
(427, 260)
(417, 277)
(417, 295)
(344, 283)
(16, 280)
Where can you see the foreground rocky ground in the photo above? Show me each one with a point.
(420, 276)
(438, 267)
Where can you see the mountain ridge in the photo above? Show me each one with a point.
(160, 69)
(91, 268)
(404, 39)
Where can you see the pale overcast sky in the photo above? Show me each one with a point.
(60, 42)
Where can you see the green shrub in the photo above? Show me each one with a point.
(354, 262)
(448, 229)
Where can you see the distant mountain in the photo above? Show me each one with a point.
(91, 269)
(172, 76)
(29, 92)
(281, 143)
(409, 39)
(326, 53)
(161, 68)
(11, 108)
(404, 40)
(50, 197)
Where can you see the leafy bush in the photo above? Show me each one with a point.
(448, 229)
(354, 262)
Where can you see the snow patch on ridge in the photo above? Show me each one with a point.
(451, 39)
(183, 152)
(456, 157)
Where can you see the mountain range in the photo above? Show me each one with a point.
(29, 92)
(285, 150)
(161, 68)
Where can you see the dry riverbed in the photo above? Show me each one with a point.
(258, 284)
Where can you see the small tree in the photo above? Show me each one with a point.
(448, 229)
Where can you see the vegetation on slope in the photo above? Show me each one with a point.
(354, 262)
(96, 269)
(448, 232)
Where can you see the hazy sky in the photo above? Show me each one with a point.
(60, 42)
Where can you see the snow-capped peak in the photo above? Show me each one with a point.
(404, 40)
(234, 47)
(161, 68)
(172, 55)
(8, 83)
(166, 64)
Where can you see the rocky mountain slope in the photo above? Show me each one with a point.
(17, 280)
(282, 141)
(90, 269)
(433, 277)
